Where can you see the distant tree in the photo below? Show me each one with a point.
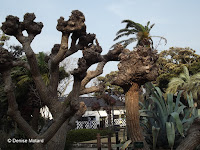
(171, 62)
(3, 38)
(142, 34)
(107, 86)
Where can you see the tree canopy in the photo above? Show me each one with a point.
(171, 64)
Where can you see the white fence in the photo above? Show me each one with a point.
(121, 122)
(86, 124)
(93, 124)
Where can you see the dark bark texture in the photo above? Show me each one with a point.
(135, 68)
(192, 140)
(132, 115)
(64, 114)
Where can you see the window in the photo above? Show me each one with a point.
(116, 117)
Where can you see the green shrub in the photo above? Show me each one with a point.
(81, 135)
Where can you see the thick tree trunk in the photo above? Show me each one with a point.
(59, 139)
(39, 147)
(133, 117)
(34, 121)
(193, 137)
(57, 142)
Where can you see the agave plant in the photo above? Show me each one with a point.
(168, 119)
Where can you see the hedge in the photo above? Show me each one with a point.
(81, 135)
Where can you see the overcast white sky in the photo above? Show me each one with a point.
(176, 20)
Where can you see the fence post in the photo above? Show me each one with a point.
(109, 141)
(98, 141)
(117, 138)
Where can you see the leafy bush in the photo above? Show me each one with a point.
(81, 135)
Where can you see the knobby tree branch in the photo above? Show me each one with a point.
(12, 26)
(71, 109)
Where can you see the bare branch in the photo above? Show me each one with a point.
(72, 98)
(21, 64)
(76, 26)
(112, 55)
(92, 74)
(12, 26)
(63, 49)
(91, 89)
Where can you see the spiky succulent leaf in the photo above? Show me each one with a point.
(179, 124)
(170, 133)
(170, 103)
(126, 144)
(178, 100)
(155, 132)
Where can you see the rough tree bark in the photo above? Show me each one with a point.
(135, 68)
(132, 114)
(192, 139)
(65, 114)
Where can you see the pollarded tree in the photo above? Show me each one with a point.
(135, 68)
(64, 113)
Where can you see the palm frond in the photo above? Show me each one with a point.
(129, 41)
(151, 27)
(195, 77)
(45, 78)
(140, 27)
(24, 79)
(147, 26)
(148, 23)
(130, 31)
(161, 38)
(121, 35)
(125, 42)
(142, 32)
(185, 70)
(130, 23)
(133, 24)
(184, 77)
(174, 85)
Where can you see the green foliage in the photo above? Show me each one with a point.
(170, 116)
(185, 82)
(140, 33)
(172, 61)
(3, 38)
(106, 81)
(81, 135)
(133, 28)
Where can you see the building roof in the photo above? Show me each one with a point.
(90, 101)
